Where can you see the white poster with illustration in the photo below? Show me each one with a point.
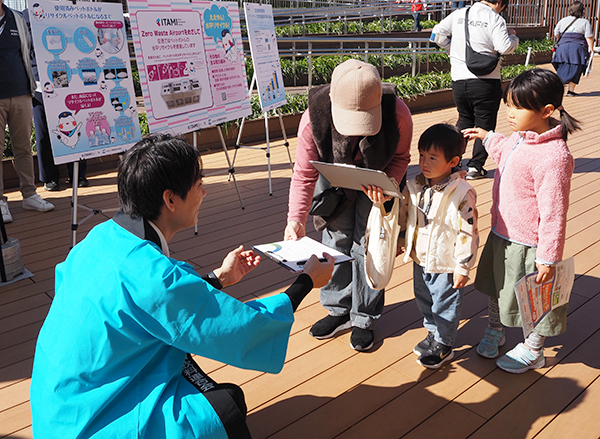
(191, 63)
(85, 74)
(265, 55)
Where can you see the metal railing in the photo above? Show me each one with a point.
(366, 47)
(17, 5)
(518, 13)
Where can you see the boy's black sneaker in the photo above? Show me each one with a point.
(436, 356)
(424, 345)
(361, 339)
(329, 326)
(475, 174)
(52, 186)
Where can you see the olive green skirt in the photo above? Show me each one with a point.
(501, 265)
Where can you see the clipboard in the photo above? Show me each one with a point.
(294, 254)
(353, 177)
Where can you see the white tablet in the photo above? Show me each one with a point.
(352, 177)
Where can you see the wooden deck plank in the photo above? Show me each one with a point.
(532, 410)
(453, 419)
(13, 395)
(326, 389)
(575, 420)
(16, 372)
(11, 420)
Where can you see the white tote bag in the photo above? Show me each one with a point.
(381, 244)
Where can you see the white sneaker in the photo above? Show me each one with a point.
(35, 202)
(6, 216)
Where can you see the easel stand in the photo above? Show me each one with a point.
(74, 206)
(4, 239)
(267, 148)
(230, 170)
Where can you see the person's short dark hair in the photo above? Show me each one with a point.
(156, 163)
(445, 137)
(576, 9)
(503, 3)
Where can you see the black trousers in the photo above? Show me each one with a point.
(47, 169)
(477, 102)
(226, 399)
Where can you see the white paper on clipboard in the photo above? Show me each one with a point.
(294, 254)
(353, 177)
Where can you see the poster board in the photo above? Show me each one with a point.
(85, 75)
(265, 55)
(191, 62)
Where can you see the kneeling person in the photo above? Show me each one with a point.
(111, 358)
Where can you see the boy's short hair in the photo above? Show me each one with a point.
(445, 137)
(156, 163)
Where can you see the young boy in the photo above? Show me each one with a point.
(439, 218)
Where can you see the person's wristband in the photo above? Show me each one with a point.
(213, 280)
(299, 289)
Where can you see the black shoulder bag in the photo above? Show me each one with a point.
(478, 63)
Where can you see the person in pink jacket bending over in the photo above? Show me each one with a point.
(354, 120)
(529, 212)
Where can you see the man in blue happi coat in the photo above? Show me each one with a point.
(111, 359)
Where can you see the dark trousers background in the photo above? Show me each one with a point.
(477, 102)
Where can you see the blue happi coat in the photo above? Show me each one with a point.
(109, 357)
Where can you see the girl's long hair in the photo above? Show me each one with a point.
(534, 89)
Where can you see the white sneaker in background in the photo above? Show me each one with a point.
(35, 202)
(6, 216)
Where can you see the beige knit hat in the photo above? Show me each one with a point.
(356, 99)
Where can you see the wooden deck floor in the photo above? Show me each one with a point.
(326, 389)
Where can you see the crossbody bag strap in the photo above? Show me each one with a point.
(563, 32)
(467, 27)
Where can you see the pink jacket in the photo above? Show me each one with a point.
(531, 190)
(305, 175)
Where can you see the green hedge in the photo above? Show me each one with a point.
(408, 87)
(323, 65)
(353, 27)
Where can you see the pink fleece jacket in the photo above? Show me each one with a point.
(305, 175)
(531, 190)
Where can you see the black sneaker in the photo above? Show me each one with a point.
(361, 339)
(436, 356)
(475, 174)
(83, 182)
(52, 186)
(329, 326)
(572, 93)
(424, 345)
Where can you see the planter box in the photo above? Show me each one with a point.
(536, 58)
(254, 131)
(436, 99)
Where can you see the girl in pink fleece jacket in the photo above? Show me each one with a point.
(529, 212)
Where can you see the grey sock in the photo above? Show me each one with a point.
(494, 314)
(535, 341)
